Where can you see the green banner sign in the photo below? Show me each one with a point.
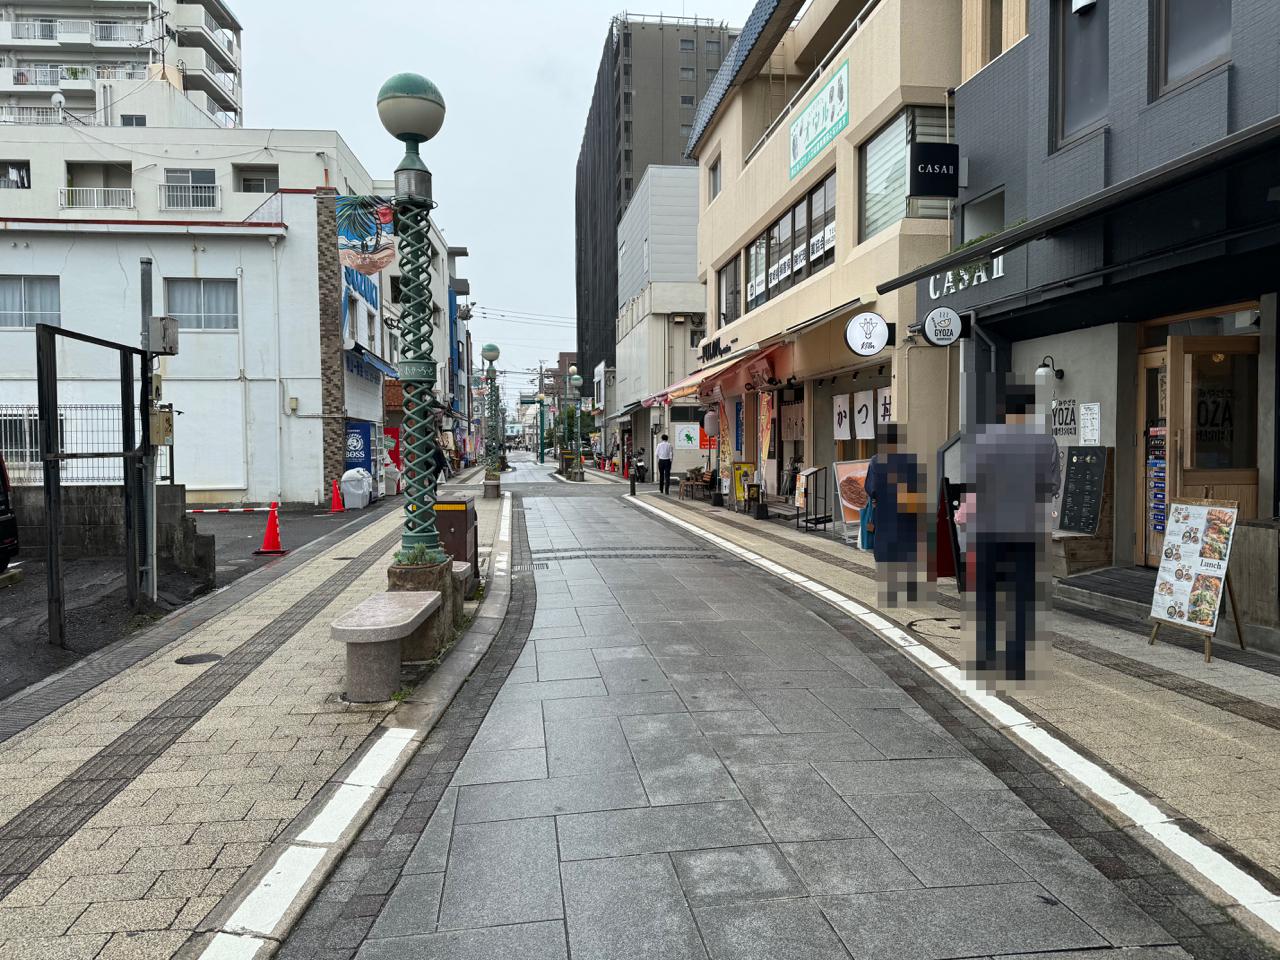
(821, 120)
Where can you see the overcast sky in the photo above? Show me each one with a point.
(516, 76)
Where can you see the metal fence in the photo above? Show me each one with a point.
(83, 427)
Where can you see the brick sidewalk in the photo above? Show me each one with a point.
(1203, 739)
(128, 814)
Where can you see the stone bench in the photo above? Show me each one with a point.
(463, 587)
(381, 632)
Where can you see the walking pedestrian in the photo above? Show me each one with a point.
(893, 486)
(665, 453)
(1011, 470)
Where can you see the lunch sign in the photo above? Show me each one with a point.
(1193, 564)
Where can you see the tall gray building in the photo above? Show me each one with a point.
(653, 73)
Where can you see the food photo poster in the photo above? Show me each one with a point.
(1193, 564)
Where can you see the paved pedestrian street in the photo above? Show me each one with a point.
(690, 759)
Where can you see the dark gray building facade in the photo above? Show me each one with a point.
(653, 73)
(1119, 221)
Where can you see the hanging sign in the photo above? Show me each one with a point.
(942, 327)
(866, 334)
(935, 170)
(1193, 563)
(840, 416)
(864, 415)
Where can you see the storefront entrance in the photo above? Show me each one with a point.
(1197, 416)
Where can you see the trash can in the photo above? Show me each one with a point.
(357, 488)
(459, 531)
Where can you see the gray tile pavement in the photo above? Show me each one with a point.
(660, 778)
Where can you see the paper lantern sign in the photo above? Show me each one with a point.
(711, 423)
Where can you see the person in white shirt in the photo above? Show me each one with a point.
(665, 454)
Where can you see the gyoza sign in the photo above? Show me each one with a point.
(941, 327)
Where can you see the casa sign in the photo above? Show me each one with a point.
(866, 334)
(962, 278)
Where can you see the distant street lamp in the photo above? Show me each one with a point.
(490, 354)
(412, 110)
(577, 428)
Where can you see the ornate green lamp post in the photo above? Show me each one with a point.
(412, 110)
(490, 353)
(576, 380)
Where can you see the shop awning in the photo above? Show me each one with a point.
(691, 384)
(1250, 140)
(375, 361)
(627, 411)
(835, 313)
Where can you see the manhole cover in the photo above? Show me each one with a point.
(196, 658)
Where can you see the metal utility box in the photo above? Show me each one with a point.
(163, 338)
(162, 427)
(459, 531)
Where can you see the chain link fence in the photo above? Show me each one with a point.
(82, 428)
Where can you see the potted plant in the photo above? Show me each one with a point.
(418, 569)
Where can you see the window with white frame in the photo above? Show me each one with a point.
(258, 178)
(713, 179)
(203, 304)
(26, 301)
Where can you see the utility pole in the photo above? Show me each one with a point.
(148, 525)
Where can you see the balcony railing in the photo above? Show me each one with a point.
(47, 115)
(223, 36)
(49, 76)
(102, 31)
(190, 196)
(96, 198)
(108, 31)
(135, 72)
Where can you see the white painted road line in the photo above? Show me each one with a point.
(337, 814)
(381, 757)
(1200, 857)
(263, 909)
(229, 946)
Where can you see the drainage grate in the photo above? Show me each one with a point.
(197, 658)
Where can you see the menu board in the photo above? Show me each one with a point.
(1193, 563)
(803, 483)
(851, 489)
(1157, 482)
(1082, 489)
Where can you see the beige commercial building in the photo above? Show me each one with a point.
(804, 207)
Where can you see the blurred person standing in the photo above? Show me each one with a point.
(894, 487)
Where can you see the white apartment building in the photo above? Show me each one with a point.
(120, 63)
(284, 352)
(661, 315)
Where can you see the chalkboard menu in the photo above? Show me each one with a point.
(1082, 489)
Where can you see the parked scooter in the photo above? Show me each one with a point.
(639, 467)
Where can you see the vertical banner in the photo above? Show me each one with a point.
(366, 233)
(725, 440)
(840, 416)
(359, 452)
(766, 428)
(884, 405)
(739, 431)
(864, 416)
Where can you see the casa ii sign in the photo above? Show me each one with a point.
(962, 278)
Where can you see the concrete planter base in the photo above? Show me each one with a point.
(426, 642)
(492, 489)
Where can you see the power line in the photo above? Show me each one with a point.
(528, 313)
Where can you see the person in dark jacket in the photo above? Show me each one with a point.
(895, 486)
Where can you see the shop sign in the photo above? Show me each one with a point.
(866, 334)
(941, 327)
(821, 120)
(714, 349)
(687, 436)
(738, 420)
(840, 416)
(935, 170)
(1064, 420)
(799, 257)
(864, 415)
(962, 278)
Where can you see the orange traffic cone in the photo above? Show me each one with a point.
(335, 501)
(271, 538)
